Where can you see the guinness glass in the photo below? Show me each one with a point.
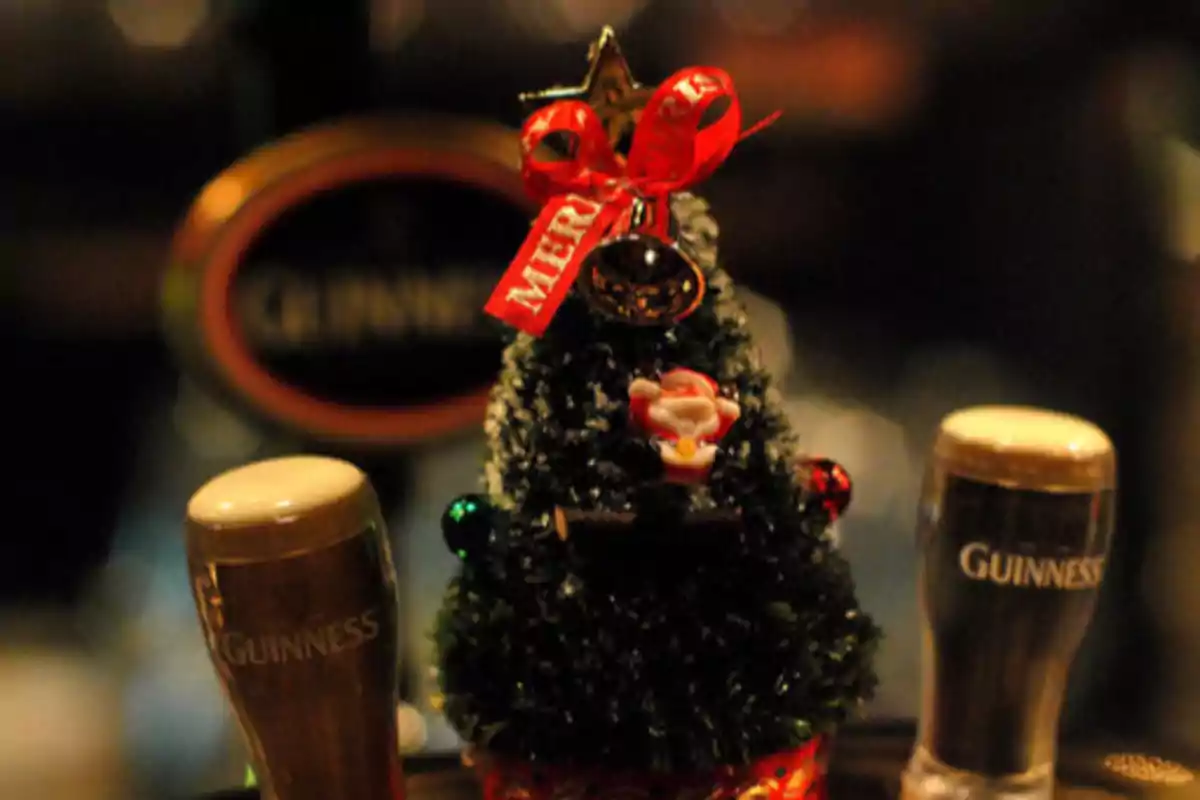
(1016, 518)
(294, 583)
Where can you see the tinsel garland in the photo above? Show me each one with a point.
(674, 663)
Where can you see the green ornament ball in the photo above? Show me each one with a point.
(467, 526)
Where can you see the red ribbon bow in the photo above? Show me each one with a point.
(584, 196)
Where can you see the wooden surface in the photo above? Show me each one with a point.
(866, 765)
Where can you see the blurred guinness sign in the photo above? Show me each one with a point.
(333, 282)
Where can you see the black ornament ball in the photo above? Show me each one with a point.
(827, 482)
(467, 526)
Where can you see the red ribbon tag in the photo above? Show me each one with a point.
(587, 192)
(793, 775)
(540, 276)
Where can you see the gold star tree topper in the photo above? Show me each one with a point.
(609, 88)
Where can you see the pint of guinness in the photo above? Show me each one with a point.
(294, 584)
(1016, 518)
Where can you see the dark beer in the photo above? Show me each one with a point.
(1016, 519)
(296, 593)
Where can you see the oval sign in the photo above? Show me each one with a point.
(334, 281)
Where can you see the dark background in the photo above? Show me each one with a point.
(981, 174)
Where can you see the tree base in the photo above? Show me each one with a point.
(798, 774)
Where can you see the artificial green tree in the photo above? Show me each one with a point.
(659, 645)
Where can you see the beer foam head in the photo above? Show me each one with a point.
(280, 506)
(1028, 448)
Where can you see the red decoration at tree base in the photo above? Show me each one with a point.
(793, 775)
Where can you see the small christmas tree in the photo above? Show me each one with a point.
(649, 584)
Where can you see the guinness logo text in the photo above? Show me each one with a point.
(282, 310)
(979, 562)
(238, 649)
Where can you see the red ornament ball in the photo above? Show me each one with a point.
(826, 482)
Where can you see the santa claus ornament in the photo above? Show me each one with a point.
(685, 416)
